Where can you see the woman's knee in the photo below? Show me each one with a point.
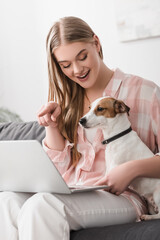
(40, 203)
(12, 199)
(10, 205)
(44, 211)
(41, 206)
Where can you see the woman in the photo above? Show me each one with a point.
(77, 76)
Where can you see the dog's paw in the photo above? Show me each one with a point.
(149, 217)
(144, 217)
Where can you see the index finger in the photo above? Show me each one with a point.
(48, 108)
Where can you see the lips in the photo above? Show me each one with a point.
(84, 76)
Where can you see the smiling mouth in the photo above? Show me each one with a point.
(83, 76)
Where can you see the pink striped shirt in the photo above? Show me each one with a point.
(143, 98)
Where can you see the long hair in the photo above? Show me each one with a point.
(62, 89)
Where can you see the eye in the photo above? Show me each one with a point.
(100, 109)
(83, 58)
(67, 66)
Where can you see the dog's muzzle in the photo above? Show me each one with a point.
(83, 121)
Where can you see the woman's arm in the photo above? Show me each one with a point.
(120, 177)
(149, 167)
(54, 140)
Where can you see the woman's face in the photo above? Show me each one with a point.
(80, 62)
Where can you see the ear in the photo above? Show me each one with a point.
(121, 107)
(97, 42)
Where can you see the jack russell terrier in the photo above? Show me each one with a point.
(122, 145)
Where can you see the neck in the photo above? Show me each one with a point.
(104, 76)
(114, 128)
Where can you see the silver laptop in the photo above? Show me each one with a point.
(25, 167)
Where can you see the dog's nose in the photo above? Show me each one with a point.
(83, 121)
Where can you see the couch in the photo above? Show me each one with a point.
(149, 230)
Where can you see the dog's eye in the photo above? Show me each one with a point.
(100, 109)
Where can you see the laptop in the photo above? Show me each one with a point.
(25, 167)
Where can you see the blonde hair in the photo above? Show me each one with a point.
(62, 89)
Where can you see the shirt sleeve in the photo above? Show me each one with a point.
(61, 159)
(155, 117)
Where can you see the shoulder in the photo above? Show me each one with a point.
(135, 80)
(138, 86)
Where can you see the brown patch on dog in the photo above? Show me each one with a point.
(121, 107)
(105, 108)
(109, 107)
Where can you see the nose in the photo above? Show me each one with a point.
(83, 121)
(77, 69)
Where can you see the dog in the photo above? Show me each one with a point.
(122, 145)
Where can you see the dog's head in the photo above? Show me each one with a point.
(103, 111)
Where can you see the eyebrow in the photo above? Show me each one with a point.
(76, 56)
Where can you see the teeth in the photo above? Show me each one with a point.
(83, 75)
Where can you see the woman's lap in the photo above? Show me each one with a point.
(98, 208)
(79, 210)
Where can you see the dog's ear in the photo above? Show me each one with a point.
(121, 107)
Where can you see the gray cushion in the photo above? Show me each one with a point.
(148, 230)
(21, 131)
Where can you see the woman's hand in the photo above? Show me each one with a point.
(119, 178)
(48, 114)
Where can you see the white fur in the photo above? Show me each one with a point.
(123, 149)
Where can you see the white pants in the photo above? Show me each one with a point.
(46, 216)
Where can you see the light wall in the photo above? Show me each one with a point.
(24, 25)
